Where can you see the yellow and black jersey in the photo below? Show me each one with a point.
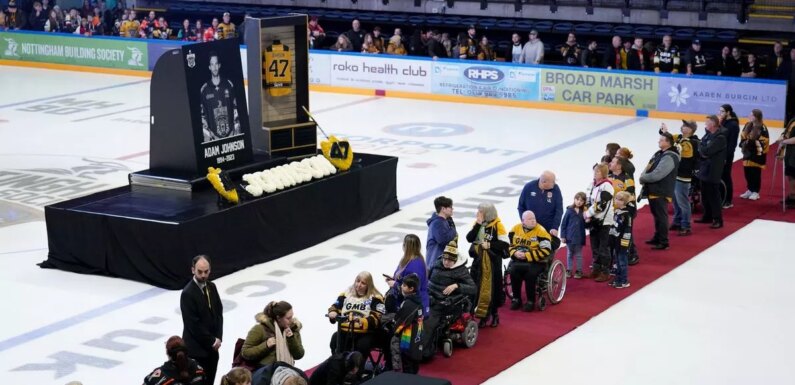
(277, 69)
(367, 310)
(536, 243)
(226, 31)
(754, 150)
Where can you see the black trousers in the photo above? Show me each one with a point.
(600, 248)
(210, 366)
(753, 177)
(726, 177)
(710, 197)
(526, 272)
(659, 210)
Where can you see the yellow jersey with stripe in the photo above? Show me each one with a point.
(536, 243)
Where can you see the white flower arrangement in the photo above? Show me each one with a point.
(288, 175)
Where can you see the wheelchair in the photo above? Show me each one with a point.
(456, 325)
(695, 194)
(374, 361)
(550, 285)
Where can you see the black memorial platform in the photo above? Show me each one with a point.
(150, 234)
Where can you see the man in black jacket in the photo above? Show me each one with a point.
(713, 156)
(435, 48)
(202, 318)
(731, 125)
(659, 179)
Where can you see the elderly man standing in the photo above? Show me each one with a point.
(542, 196)
(659, 180)
(713, 156)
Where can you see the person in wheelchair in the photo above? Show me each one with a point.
(530, 250)
(358, 310)
(341, 368)
(450, 282)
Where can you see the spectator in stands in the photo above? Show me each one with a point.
(37, 18)
(687, 142)
(570, 51)
(179, 369)
(441, 230)
(712, 151)
(237, 376)
(129, 28)
(470, 46)
(589, 56)
(317, 33)
(84, 28)
(412, 262)
(514, 52)
(150, 18)
(226, 30)
(447, 43)
(666, 57)
(342, 44)
(52, 24)
(613, 56)
(695, 60)
(724, 61)
(399, 32)
(531, 247)
(485, 50)
(3, 26)
(356, 35)
(368, 46)
(435, 48)
(395, 46)
(211, 32)
(533, 51)
(86, 9)
(659, 181)
(199, 31)
(96, 29)
(418, 43)
(46, 5)
(638, 59)
(340, 368)
(275, 337)
(755, 143)
(542, 196)
(489, 246)
(626, 51)
(731, 126)
(15, 19)
(161, 29)
(737, 63)
(776, 61)
(378, 40)
(750, 68)
(97, 17)
(186, 33)
(361, 305)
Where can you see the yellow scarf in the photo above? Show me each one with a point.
(485, 293)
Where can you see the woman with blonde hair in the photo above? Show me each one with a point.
(395, 46)
(368, 46)
(237, 376)
(412, 262)
(489, 247)
(359, 309)
(343, 44)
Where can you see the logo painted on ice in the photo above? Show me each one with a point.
(486, 75)
(678, 95)
(424, 129)
(136, 57)
(11, 48)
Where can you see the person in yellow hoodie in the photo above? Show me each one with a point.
(531, 247)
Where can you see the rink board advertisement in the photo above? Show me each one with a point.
(484, 79)
(378, 72)
(705, 95)
(599, 88)
(74, 50)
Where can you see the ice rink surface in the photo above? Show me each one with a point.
(727, 319)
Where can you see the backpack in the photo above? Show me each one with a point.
(237, 357)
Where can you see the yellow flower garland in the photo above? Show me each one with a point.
(214, 176)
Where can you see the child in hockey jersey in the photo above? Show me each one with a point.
(621, 238)
(573, 234)
(406, 341)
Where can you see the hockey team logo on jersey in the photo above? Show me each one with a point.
(136, 57)
(11, 48)
(486, 75)
(191, 59)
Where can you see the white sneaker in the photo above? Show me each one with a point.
(746, 194)
(754, 196)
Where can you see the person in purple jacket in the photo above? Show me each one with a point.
(441, 230)
(542, 197)
(412, 262)
(572, 232)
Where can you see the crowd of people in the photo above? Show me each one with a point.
(405, 323)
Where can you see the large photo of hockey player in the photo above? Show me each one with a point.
(218, 102)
